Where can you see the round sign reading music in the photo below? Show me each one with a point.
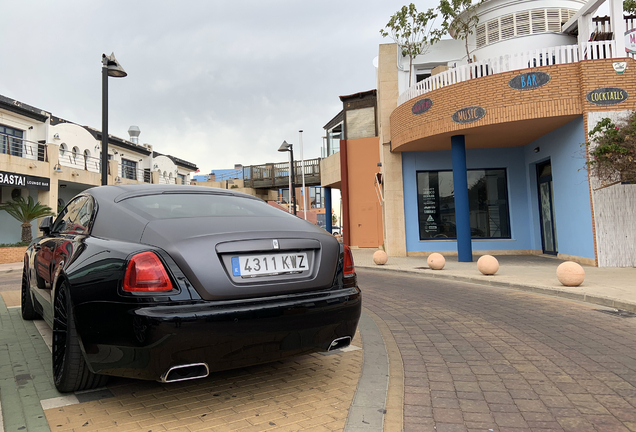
(469, 114)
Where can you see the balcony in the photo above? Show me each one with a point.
(20, 147)
(565, 54)
(272, 176)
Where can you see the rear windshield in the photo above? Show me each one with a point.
(171, 206)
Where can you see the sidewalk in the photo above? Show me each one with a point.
(612, 287)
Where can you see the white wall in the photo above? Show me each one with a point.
(166, 168)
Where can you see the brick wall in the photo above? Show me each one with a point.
(12, 254)
(562, 97)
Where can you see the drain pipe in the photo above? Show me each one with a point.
(344, 185)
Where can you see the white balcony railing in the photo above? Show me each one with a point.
(529, 59)
(80, 161)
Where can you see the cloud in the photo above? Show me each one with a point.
(212, 82)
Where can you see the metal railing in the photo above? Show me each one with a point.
(21, 147)
(234, 174)
(534, 58)
(277, 175)
(131, 173)
(171, 180)
(80, 161)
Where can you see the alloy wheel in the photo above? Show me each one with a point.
(60, 332)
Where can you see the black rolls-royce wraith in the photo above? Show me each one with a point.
(172, 282)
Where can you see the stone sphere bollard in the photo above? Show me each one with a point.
(436, 261)
(570, 273)
(488, 265)
(380, 257)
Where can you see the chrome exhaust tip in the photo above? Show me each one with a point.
(342, 342)
(185, 372)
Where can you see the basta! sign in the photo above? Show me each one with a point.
(607, 96)
(421, 106)
(529, 81)
(469, 114)
(24, 181)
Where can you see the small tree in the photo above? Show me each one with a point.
(25, 211)
(629, 6)
(460, 19)
(412, 31)
(612, 150)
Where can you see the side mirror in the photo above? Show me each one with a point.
(46, 225)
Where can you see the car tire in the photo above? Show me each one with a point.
(28, 311)
(70, 371)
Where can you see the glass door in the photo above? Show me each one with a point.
(546, 208)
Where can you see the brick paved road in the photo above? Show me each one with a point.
(488, 359)
(309, 393)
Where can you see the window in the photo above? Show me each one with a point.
(11, 140)
(421, 75)
(128, 169)
(181, 179)
(318, 201)
(521, 24)
(315, 197)
(171, 206)
(76, 217)
(487, 200)
(76, 152)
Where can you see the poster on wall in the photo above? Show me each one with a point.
(428, 205)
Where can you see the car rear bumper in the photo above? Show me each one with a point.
(144, 342)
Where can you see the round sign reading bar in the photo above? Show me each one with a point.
(529, 81)
(421, 106)
(607, 96)
(469, 114)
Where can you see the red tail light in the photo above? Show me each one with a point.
(349, 268)
(146, 273)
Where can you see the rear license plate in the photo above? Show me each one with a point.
(269, 264)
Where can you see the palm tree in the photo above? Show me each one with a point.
(25, 211)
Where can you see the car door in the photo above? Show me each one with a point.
(54, 251)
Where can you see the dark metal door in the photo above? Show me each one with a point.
(546, 208)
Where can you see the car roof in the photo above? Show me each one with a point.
(117, 193)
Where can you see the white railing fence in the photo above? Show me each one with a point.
(80, 162)
(528, 59)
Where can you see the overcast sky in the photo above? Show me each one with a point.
(212, 82)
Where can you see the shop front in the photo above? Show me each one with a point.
(12, 186)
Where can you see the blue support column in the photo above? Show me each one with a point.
(462, 211)
(329, 225)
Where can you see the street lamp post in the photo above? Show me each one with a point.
(285, 146)
(110, 67)
(302, 170)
